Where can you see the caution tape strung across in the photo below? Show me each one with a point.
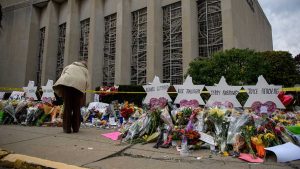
(288, 89)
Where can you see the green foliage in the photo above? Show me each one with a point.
(281, 67)
(243, 66)
(239, 66)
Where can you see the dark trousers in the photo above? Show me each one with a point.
(72, 101)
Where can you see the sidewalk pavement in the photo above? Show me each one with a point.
(88, 149)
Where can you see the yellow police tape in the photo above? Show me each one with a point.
(288, 89)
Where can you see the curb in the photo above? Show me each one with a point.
(13, 158)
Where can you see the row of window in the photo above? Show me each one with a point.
(210, 40)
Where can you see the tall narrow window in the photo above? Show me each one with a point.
(61, 49)
(251, 4)
(210, 27)
(40, 56)
(172, 44)
(109, 50)
(84, 39)
(139, 44)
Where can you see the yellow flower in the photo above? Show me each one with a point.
(249, 128)
(213, 111)
(225, 154)
(256, 140)
(220, 113)
(269, 136)
(179, 113)
(260, 136)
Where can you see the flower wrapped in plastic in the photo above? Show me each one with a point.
(258, 145)
(235, 127)
(192, 137)
(20, 111)
(154, 114)
(183, 116)
(137, 128)
(154, 120)
(1, 112)
(247, 132)
(138, 112)
(85, 113)
(193, 120)
(127, 110)
(199, 125)
(217, 117)
(165, 116)
(10, 110)
(56, 115)
(31, 111)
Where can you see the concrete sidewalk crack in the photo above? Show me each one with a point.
(24, 140)
(116, 154)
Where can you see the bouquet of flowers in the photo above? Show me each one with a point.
(177, 134)
(182, 117)
(156, 106)
(10, 110)
(217, 117)
(258, 145)
(192, 137)
(127, 110)
(137, 128)
(247, 132)
(235, 126)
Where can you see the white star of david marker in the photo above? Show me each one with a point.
(48, 90)
(189, 91)
(30, 90)
(156, 90)
(222, 92)
(263, 92)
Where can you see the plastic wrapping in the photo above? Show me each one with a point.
(85, 113)
(200, 123)
(134, 129)
(10, 110)
(21, 111)
(235, 127)
(165, 116)
(30, 115)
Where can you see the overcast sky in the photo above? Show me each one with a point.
(284, 16)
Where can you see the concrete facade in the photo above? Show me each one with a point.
(242, 27)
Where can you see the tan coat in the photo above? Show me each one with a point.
(74, 75)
